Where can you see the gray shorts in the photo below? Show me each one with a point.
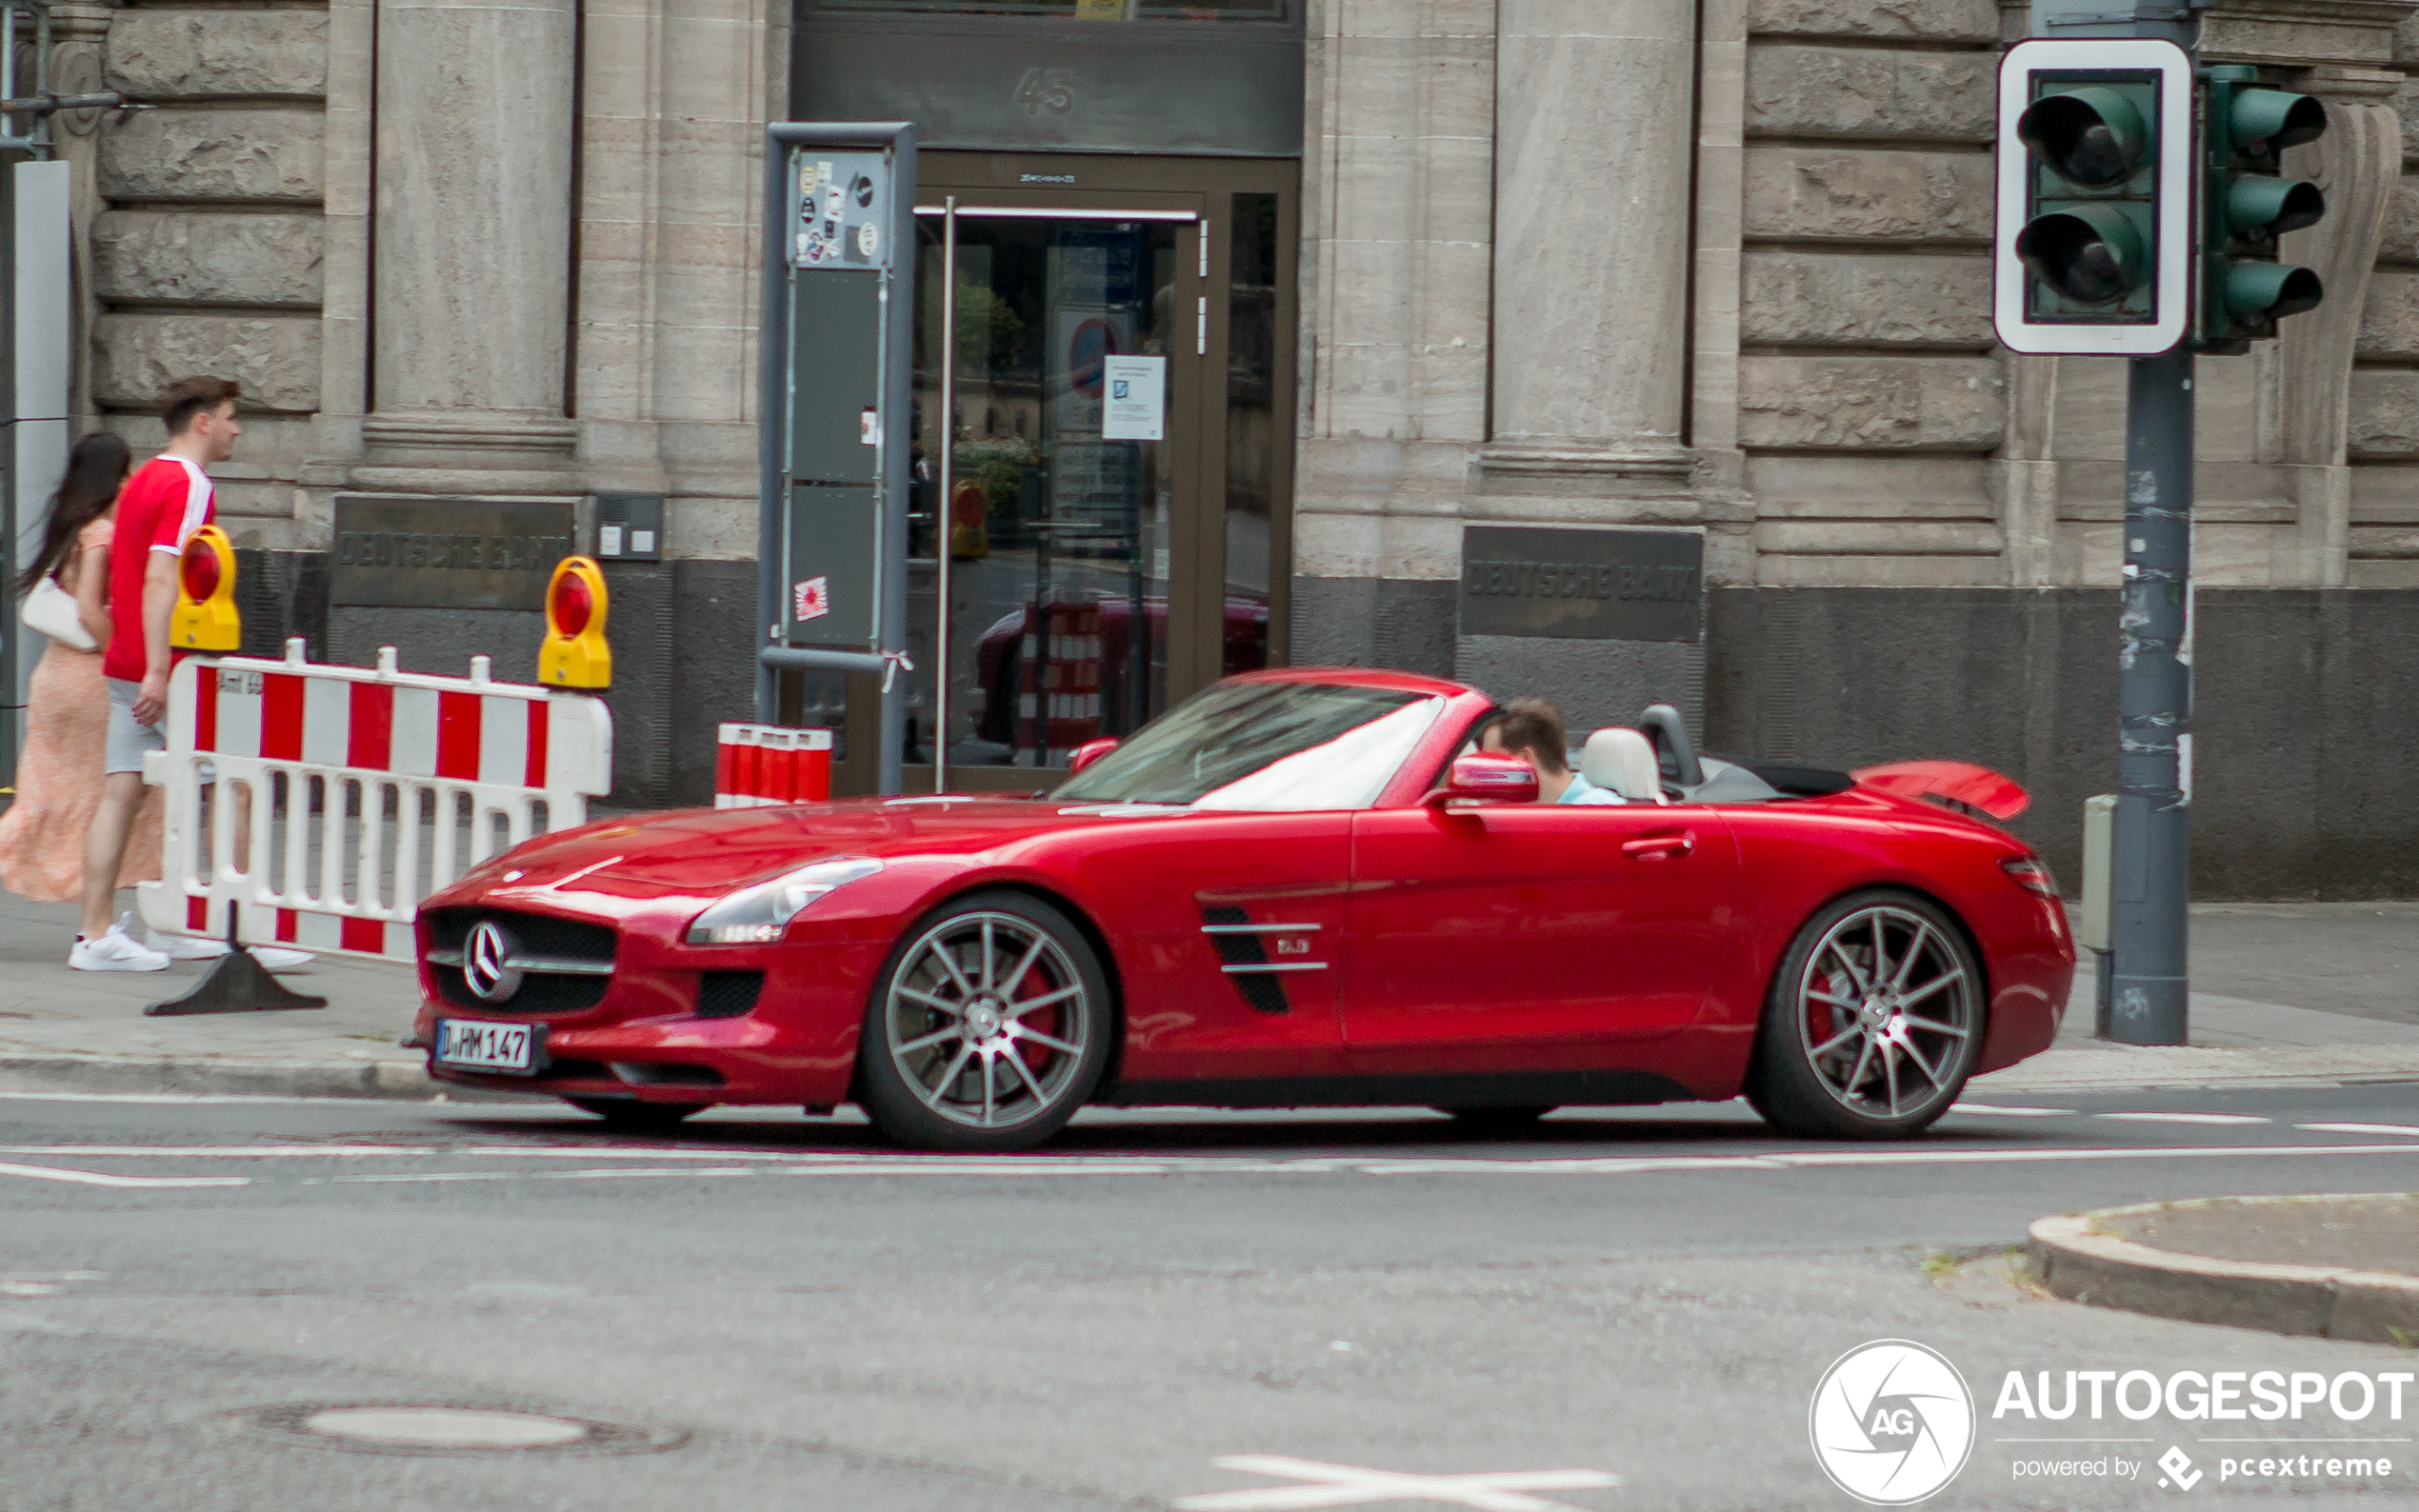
(128, 741)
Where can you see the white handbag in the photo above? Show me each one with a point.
(50, 611)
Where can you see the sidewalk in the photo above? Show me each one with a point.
(2335, 1267)
(63, 1031)
(2292, 992)
(2284, 992)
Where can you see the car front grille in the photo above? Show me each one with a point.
(568, 963)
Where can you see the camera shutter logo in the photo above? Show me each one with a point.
(1892, 1423)
(487, 962)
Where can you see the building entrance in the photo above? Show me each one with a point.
(1102, 456)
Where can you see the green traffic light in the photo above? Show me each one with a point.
(2265, 291)
(2271, 119)
(2270, 206)
(2089, 137)
(2094, 254)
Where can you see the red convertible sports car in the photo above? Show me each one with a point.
(1298, 888)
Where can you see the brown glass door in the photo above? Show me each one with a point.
(1104, 553)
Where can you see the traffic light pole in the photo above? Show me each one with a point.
(2149, 987)
(2148, 993)
(2141, 201)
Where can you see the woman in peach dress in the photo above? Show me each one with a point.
(67, 707)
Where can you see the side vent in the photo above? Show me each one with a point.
(1263, 992)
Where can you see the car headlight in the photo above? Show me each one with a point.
(757, 915)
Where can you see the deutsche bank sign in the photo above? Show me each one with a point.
(1583, 585)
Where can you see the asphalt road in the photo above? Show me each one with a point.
(790, 1315)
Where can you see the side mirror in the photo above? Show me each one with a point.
(1486, 779)
(1088, 752)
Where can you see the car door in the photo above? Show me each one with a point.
(1529, 936)
(1228, 929)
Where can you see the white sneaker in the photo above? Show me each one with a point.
(195, 948)
(114, 952)
(182, 946)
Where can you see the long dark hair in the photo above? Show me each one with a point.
(95, 469)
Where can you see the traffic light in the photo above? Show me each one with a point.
(205, 618)
(575, 653)
(2096, 196)
(2247, 205)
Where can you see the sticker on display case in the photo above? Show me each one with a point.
(813, 598)
(1134, 392)
(837, 206)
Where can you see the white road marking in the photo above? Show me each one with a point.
(606, 1164)
(2184, 1118)
(1987, 1111)
(1325, 1485)
(44, 1285)
(1000, 1165)
(616, 1171)
(213, 1152)
(178, 1098)
(52, 1173)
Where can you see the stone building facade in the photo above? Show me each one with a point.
(1713, 266)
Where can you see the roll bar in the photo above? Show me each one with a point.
(1663, 723)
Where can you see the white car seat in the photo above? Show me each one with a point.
(1621, 760)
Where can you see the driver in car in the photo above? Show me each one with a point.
(1530, 730)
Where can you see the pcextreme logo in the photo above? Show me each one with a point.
(1892, 1423)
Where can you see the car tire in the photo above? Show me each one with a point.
(1495, 1123)
(988, 1027)
(1848, 1052)
(629, 1115)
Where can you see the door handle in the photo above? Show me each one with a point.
(1658, 847)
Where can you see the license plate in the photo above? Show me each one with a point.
(484, 1046)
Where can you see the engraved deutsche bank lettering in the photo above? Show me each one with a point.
(1583, 585)
(446, 553)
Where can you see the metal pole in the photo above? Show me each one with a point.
(2154, 703)
(898, 397)
(944, 513)
(772, 420)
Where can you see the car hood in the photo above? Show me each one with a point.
(706, 851)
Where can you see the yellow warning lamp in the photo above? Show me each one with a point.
(206, 619)
(576, 654)
(969, 521)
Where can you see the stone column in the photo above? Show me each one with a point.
(1591, 243)
(78, 67)
(1394, 313)
(471, 248)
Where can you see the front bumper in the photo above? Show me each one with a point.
(645, 1036)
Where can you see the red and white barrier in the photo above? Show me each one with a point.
(1058, 693)
(766, 764)
(369, 756)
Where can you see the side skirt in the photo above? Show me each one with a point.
(1437, 1090)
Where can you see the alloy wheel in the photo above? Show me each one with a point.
(1886, 1012)
(987, 1020)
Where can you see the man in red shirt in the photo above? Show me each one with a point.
(160, 506)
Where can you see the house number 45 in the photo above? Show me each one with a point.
(1051, 89)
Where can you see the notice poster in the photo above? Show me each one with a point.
(1134, 399)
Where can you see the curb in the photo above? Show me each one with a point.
(2079, 1264)
(189, 1076)
(2101, 1067)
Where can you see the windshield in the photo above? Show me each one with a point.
(1264, 745)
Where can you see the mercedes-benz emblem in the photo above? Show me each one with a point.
(487, 962)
